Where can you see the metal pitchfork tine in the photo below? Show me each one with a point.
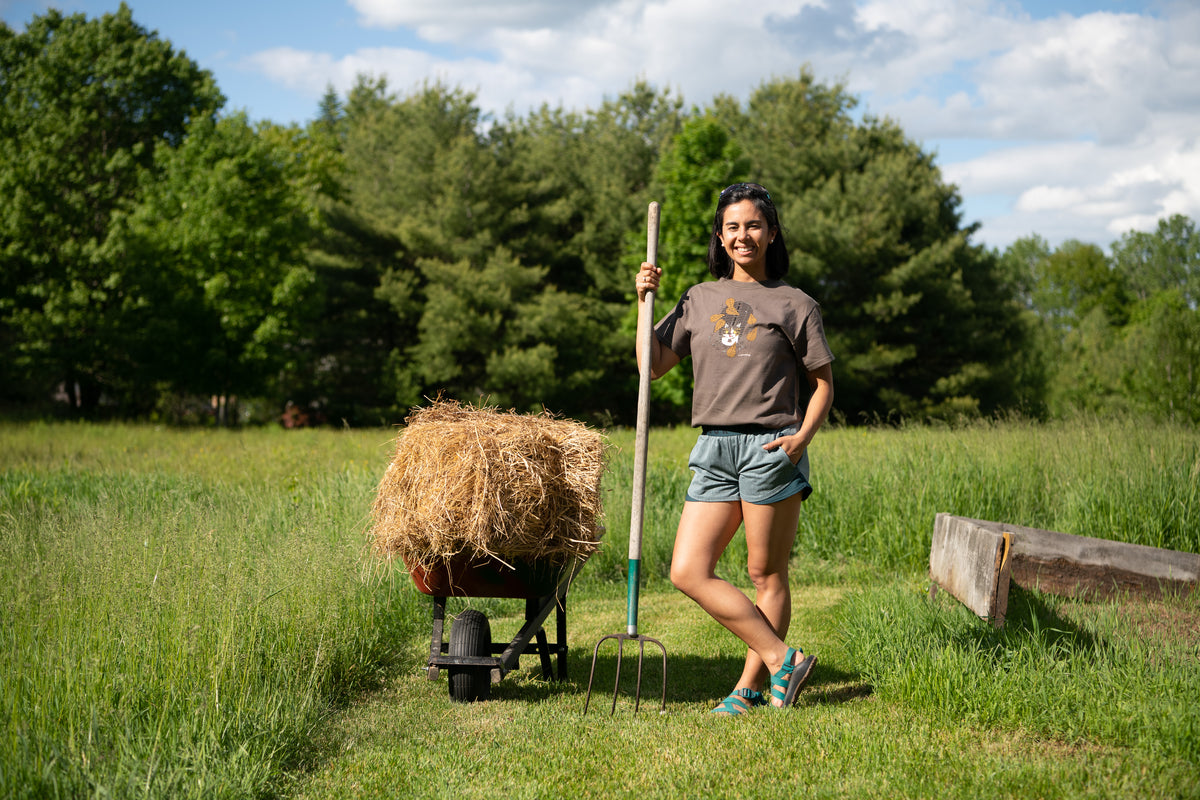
(639, 497)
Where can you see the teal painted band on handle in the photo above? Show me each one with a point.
(635, 575)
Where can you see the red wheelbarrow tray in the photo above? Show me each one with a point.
(485, 576)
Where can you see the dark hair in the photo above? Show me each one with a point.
(777, 255)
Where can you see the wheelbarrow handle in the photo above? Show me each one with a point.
(642, 437)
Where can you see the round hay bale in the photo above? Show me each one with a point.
(474, 482)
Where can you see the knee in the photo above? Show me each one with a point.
(679, 578)
(683, 578)
(767, 580)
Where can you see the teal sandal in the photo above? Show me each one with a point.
(739, 702)
(786, 683)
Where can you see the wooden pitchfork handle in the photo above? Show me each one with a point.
(642, 437)
(645, 332)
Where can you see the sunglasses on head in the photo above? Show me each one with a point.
(753, 187)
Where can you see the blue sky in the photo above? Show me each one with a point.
(1066, 118)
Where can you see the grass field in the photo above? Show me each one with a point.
(196, 614)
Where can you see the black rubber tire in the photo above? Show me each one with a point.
(470, 635)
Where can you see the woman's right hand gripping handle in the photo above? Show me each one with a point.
(647, 280)
(662, 358)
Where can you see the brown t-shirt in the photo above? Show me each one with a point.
(752, 346)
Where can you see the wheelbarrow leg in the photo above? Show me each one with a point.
(562, 637)
(543, 648)
(435, 644)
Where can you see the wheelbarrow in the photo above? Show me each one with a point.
(473, 662)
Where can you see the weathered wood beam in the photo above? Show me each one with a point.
(1081, 566)
(975, 560)
(970, 561)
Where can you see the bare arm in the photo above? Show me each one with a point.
(820, 380)
(661, 358)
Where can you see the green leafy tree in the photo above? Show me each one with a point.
(1160, 348)
(587, 207)
(625, 138)
(1080, 305)
(331, 113)
(84, 104)
(1161, 357)
(467, 328)
(1031, 366)
(1077, 279)
(700, 161)
(532, 210)
(1022, 263)
(577, 185)
(416, 190)
(344, 358)
(577, 189)
(217, 242)
(1116, 334)
(1166, 259)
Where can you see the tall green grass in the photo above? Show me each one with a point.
(878, 490)
(1081, 674)
(1123, 674)
(182, 611)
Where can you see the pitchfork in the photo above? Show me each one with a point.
(639, 497)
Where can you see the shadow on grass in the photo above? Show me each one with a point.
(690, 679)
(1031, 619)
(830, 686)
(707, 679)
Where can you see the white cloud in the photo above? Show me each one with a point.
(1094, 118)
(1084, 190)
(460, 20)
(568, 53)
(1094, 75)
(1100, 75)
(404, 69)
(1050, 198)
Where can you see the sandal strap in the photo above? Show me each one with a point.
(731, 705)
(752, 697)
(740, 701)
(781, 678)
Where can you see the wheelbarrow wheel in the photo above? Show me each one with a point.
(470, 635)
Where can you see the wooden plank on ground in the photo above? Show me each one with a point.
(1081, 566)
(969, 560)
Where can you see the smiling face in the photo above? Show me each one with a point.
(745, 236)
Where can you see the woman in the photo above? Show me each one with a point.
(763, 386)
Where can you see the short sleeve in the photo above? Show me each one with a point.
(672, 330)
(816, 347)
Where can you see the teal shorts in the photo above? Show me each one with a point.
(731, 464)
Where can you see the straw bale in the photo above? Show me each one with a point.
(481, 482)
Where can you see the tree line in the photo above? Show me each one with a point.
(158, 254)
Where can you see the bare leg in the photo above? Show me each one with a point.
(770, 532)
(705, 530)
